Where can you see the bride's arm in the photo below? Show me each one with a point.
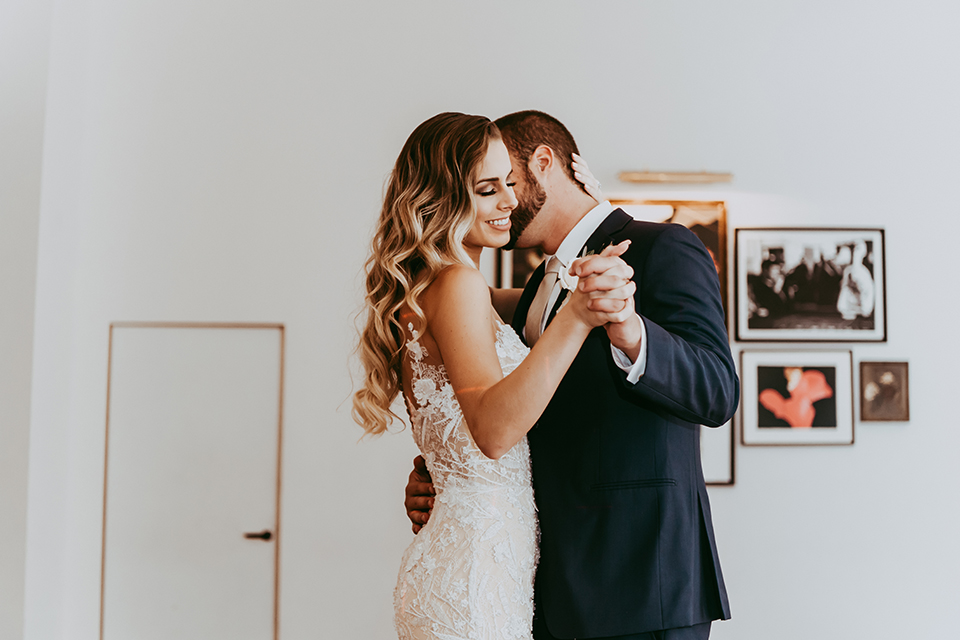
(500, 410)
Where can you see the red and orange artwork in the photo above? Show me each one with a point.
(804, 388)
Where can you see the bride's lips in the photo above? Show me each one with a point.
(504, 223)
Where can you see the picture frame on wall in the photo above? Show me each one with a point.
(810, 285)
(796, 397)
(884, 392)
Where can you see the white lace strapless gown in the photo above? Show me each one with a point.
(469, 573)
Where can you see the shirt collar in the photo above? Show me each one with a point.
(569, 249)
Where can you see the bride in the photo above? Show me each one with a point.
(472, 388)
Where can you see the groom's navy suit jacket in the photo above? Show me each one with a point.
(627, 542)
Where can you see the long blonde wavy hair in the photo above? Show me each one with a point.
(428, 209)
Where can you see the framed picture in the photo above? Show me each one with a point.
(810, 285)
(884, 392)
(796, 397)
(717, 454)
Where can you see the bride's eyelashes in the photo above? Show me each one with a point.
(491, 192)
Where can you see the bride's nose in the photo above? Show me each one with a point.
(509, 202)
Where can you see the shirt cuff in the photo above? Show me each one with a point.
(633, 369)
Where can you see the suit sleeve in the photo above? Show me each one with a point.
(689, 371)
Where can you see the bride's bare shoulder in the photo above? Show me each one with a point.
(457, 290)
(459, 282)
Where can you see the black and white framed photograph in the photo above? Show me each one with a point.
(810, 285)
(718, 454)
(796, 397)
(884, 392)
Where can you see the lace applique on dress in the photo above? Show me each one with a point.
(469, 572)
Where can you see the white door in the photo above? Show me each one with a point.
(192, 469)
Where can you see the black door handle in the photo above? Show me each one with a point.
(263, 535)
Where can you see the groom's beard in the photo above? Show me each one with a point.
(529, 202)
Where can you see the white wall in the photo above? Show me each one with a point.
(24, 44)
(224, 161)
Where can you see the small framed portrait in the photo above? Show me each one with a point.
(717, 454)
(810, 285)
(796, 397)
(884, 392)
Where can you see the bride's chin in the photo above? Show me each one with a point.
(497, 244)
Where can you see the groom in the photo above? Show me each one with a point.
(627, 549)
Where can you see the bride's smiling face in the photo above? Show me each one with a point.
(493, 193)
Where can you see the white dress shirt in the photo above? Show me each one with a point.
(567, 252)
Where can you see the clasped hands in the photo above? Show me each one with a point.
(605, 280)
(603, 289)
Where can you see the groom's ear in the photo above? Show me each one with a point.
(543, 160)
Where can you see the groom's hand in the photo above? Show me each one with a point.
(419, 494)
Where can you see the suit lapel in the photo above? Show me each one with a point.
(597, 242)
(604, 235)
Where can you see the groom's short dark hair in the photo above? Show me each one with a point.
(524, 131)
